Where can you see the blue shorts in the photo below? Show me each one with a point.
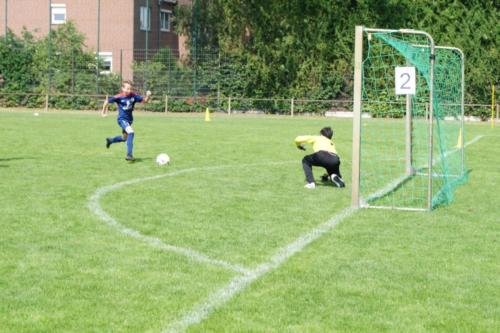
(125, 124)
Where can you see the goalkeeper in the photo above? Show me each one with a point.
(325, 155)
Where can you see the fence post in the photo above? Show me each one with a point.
(229, 106)
(49, 58)
(492, 105)
(291, 106)
(218, 83)
(166, 103)
(169, 55)
(498, 111)
(73, 79)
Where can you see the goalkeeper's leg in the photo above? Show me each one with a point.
(327, 160)
(332, 164)
(307, 163)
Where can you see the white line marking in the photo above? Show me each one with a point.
(216, 299)
(95, 207)
(476, 139)
(201, 311)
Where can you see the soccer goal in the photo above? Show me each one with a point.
(408, 133)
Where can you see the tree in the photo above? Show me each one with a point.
(305, 48)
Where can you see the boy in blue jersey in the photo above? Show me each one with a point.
(125, 101)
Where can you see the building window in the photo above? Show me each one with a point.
(145, 17)
(165, 20)
(106, 64)
(58, 13)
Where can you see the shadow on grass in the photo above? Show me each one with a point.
(325, 183)
(140, 159)
(328, 184)
(9, 159)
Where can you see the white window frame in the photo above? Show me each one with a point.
(105, 57)
(168, 13)
(145, 18)
(58, 9)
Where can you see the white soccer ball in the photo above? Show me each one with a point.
(162, 159)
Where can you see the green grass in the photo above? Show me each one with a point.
(62, 269)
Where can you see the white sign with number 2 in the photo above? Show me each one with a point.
(405, 81)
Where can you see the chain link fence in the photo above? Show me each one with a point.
(76, 79)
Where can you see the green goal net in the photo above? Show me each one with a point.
(408, 131)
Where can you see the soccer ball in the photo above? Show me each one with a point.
(162, 159)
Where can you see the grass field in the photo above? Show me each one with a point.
(220, 240)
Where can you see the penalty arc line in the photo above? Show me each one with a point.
(201, 311)
(95, 207)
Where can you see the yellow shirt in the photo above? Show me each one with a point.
(319, 142)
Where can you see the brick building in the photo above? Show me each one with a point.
(124, 25)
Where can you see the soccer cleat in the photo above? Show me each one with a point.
(130, 158)
(108, 142)
(337, 181)
(310, 186)
(325, 178)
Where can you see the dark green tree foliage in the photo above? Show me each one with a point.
(164, 74)
(304, 49)
(72, 70)
(16, 66)
(473, 27)
(255, 48)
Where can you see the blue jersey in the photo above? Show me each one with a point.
(125, 105)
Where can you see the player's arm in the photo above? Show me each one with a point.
(301, 140)
(148, 96)
(105, 106)
(104, 111)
